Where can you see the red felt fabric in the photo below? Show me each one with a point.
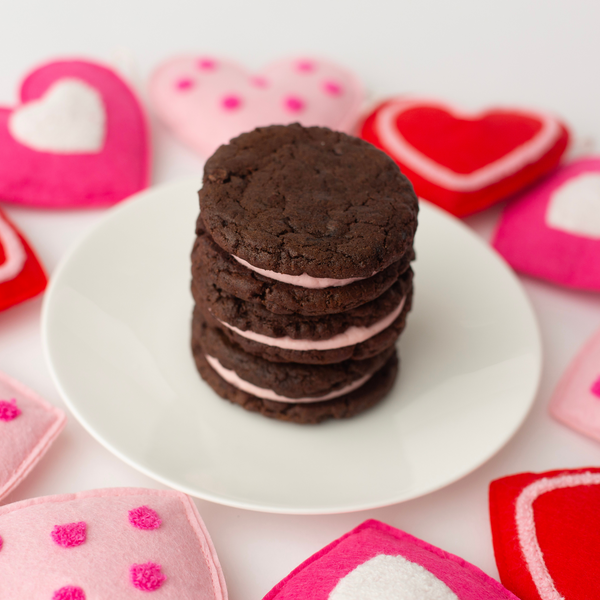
(567, 523)
(30, 282)
(464, 145)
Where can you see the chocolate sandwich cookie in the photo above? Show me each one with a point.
(357, 334)
(344, 407)
(308, 203)
(212, 263)
(283, 382)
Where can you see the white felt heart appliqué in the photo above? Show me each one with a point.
(387, 577)
(575, 206)
(69, 119)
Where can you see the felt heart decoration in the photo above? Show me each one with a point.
(110, 543)
(78, 139)
(465, 162)
(546, 532)
(208, 101)
(378, 562)
(576, 399)
(21, 274)
(553, 230)
(28, 427)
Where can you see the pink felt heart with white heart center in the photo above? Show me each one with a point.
(78, 138)
(206, 101)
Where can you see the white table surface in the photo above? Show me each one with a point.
(530, 53)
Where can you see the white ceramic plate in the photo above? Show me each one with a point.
(116, 326)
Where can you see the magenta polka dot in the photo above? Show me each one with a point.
(207, 64)
(333, 88)
(147, 577)
(293, 104)
(231, 102)
(259, 81)
(595, 389)
(1, 542)
(184, 84)
(9, 410)
(69, 592)
(306, 66)
(70, 534)
(144, 517)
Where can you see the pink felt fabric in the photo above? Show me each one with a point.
(26, 437)
(117, 560)
(527, 241)
(318, 576)
(208, 101)
(575, 401)
(91, 179)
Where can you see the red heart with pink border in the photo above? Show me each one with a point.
(465, 162)
(546, 532)
(21, 274)
(78, 139)
(553, 230)
(207, 101)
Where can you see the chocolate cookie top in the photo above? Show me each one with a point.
(298, 200)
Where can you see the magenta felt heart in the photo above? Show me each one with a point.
(377, 562)
(208, 101)
(552, 231)
(78, 139)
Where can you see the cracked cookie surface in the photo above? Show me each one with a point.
(298, 200)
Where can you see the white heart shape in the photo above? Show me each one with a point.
(386, 577)
(69, 119)
(575, 206)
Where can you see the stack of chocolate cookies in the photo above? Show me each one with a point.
(301, 272)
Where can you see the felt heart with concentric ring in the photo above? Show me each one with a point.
(465, 162)
(207, 101)
(78, 138)
(21, 274)
(546, 532)
(552, 230)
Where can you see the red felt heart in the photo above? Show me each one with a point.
(546, 530)
(462, 162)
(21, 274)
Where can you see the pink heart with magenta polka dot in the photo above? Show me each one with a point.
(122, 543)
(576, 399)
(207, 101)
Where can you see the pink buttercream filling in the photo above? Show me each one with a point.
(304, 280)
(234, 379)
(352, 335)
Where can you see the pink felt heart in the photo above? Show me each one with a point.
(88, 545)
(79, 138)
(28, 427)
(552, 231)
(576, 400)
(206, 101)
